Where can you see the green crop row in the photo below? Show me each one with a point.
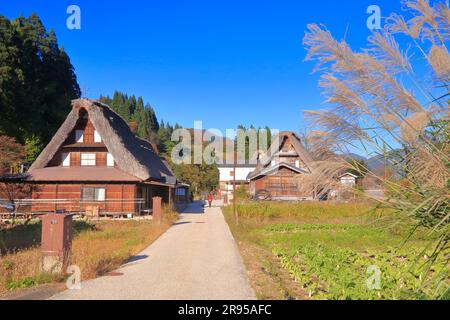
(328, 272)
(295, 227)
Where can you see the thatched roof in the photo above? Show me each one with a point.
(133, 156)
(274, 149)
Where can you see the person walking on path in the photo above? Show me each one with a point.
(210, 199)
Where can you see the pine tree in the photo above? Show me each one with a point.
(152, 120)
(37, 80)
(116, 101)
(132, 102)
(132, 109)
(140, 118)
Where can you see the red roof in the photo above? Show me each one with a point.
(87, 174)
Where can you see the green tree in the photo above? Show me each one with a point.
(33, 148)
(201, 178)
(260, 144)
(132, 109)
(132, 103)
(165, 143)
(140, 118)
(37, 80)
(151, 118)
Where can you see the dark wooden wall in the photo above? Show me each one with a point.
(284, 183)
(120, 198)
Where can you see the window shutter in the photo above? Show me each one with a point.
(88, 194)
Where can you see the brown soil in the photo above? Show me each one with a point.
(269, 280)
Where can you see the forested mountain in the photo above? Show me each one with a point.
(260, 145)
(37, 82)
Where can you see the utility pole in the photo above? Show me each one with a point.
(385, 161)
(236, 218)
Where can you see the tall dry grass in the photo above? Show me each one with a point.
(308, 212)
(382, 102)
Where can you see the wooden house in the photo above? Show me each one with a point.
(278, 173)
(96, 164)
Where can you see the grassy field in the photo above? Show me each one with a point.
(98, 248)
(327, 251)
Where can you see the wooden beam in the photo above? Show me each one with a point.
(121, 199)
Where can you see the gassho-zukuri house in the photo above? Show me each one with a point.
(279, 171)
(96, 163)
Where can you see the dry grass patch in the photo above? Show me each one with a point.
(306, 212)
(97, 248)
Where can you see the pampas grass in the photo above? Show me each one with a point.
(378, 103)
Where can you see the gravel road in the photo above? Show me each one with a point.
(196, 259)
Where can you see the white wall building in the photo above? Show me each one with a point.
(226, 178)
(348, 179)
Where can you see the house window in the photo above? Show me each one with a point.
(349, 181)
(297, 163)
(94, 194)
(273, 163)
(110, 160)
(79, 136)
(97, 138)
(88, 159)
(66, 159)
(180, 192)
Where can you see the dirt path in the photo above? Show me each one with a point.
(195, 259)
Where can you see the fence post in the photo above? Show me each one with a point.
(157, 210)
(57, 230)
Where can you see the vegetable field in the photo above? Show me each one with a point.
(334, 252)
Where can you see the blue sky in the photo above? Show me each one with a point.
(223, 62)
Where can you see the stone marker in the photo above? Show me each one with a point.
(57, 231)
